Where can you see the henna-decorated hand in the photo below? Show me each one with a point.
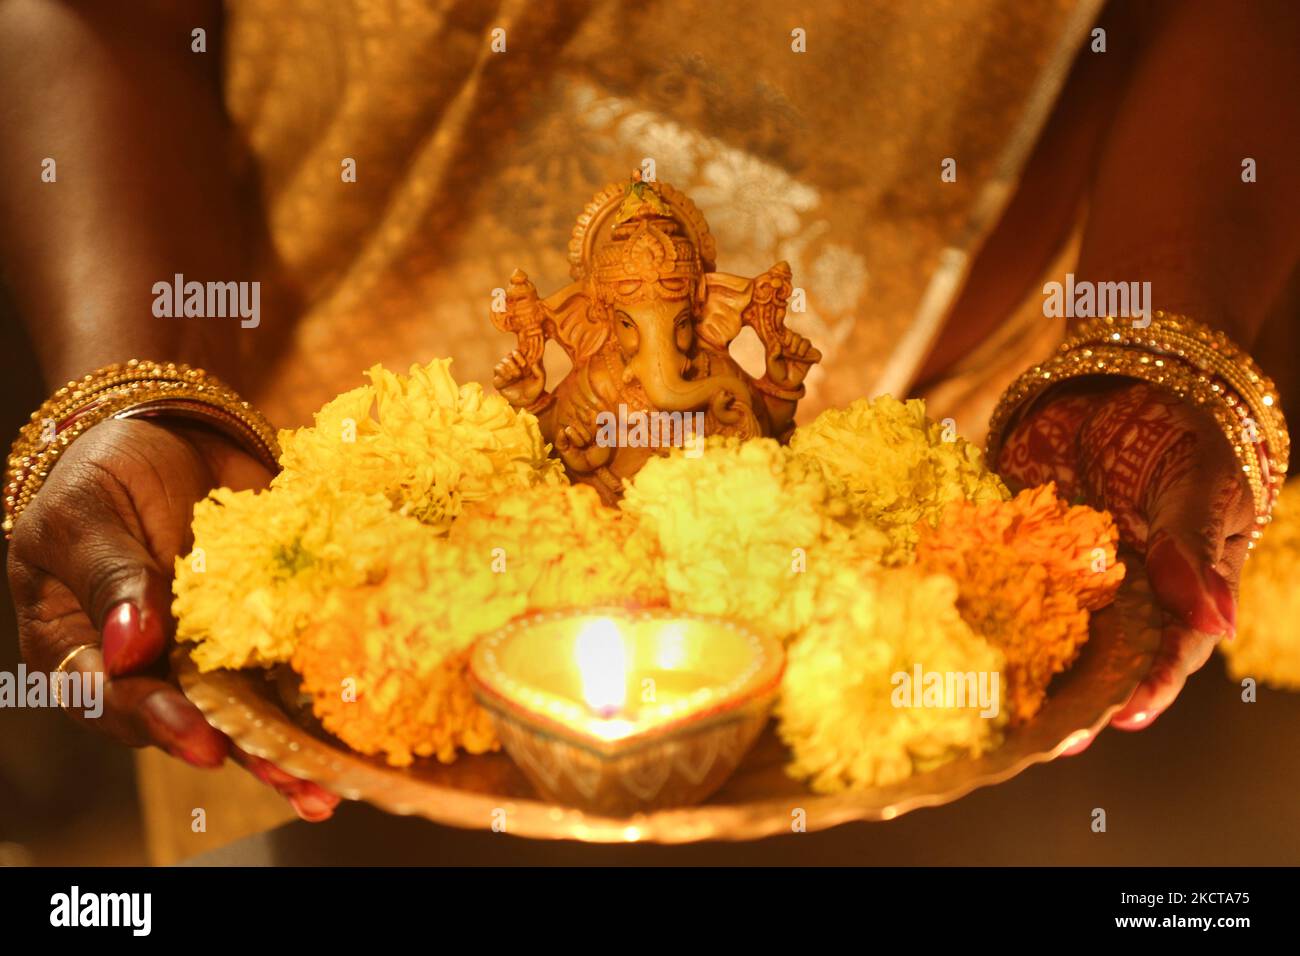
(1169, 478)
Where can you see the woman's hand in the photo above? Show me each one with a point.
(1169, 478)
(91, 563)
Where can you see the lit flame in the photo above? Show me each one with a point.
(602, 665)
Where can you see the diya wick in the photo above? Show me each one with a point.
(617, 711)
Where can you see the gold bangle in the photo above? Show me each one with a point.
(1197, 364)
(68, 658)
(126, 390)
(1213, 354)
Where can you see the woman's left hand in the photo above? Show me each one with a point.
(1175, 489)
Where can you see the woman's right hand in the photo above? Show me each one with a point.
(90, 563)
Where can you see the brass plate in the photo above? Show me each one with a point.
(756, 802)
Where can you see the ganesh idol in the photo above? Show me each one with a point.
(647, 324)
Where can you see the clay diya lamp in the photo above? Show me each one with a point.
(621, 711)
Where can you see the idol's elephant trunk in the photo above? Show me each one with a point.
(659, 370)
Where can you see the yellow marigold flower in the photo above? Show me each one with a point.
(817, 573)
(562, 547)
(732, 524)
(430, 445)
(1029, 570)
(263, 561)
(894, 467)
(837, 710)
(1267, 644)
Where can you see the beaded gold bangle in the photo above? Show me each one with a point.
(1213, 355)
(126, 390)
(1198, 364)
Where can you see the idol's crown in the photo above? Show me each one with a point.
(649, 254)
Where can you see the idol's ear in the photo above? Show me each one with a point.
(722, 300)
(577, 323)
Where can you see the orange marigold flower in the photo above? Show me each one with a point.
(384, 683)
(1029, 570)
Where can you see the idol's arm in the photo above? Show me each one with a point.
(114, 175)
(1169, 205)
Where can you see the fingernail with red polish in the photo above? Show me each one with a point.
(182, 731)
(311, 807)
(120, 630)
(194, 759)
(270, 774)
(1191, 594)
(320, 793)
(259, 768)
(131, 639)
(1135, 721)
(1175, 579)
(1223, 599)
